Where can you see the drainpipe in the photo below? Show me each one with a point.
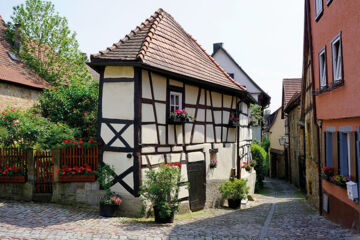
(358, 167)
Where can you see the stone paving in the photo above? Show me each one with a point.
(282, 213)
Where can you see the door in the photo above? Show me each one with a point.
(197, 180)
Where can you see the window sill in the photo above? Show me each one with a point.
(329, 88)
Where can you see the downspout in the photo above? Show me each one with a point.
(314, 106)
(358, 165)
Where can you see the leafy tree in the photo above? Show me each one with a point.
(75, 106)
(47, 44)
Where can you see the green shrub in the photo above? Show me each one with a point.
(265, 143)
(74, 105)
(161, 187)
(259, 155)
(234, 189)
(27, 129)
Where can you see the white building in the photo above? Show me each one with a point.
(154, 70)
(224, 59)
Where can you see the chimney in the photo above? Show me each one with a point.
(216, 47)
(17, 36)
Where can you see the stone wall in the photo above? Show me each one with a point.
(17, 96)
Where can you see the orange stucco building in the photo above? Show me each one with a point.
(335, 33)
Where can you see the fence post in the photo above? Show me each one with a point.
(56, 156)
(29, 187)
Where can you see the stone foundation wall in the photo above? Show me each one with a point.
(16, 191)
(17, 96)
(87, 193)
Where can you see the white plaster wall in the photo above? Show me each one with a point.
(118, 100)
(159, 86)
(120, 162)
(225, 62)
(119, 72)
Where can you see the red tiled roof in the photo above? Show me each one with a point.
(16, 71)
(291, 86)
(162, 43)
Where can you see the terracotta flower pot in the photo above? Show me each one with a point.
(14, 179)
(107, 210)
(77, 178)
(234, 203)
(160, 219)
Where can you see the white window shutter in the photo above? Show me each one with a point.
(338, 63)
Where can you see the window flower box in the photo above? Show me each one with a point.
(76, 174)
(234, 122)
(12, 179)
(179, 117)
(77, 178)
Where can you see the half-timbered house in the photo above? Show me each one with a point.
(156, 69)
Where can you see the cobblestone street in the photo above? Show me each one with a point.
(281, 213)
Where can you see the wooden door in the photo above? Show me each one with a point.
(197, 180)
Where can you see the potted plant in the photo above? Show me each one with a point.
(161, 187)
(180, 116)
(327, 172)
(111, 201)
(12, 174)
(109, 204)
(246, 166)
(234, 121)
(76, 174)
(234, 191)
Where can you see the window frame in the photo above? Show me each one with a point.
(318, 14)
(323, 52)
(328, 2)
(178, 94)
(334, 64)
(169, 90)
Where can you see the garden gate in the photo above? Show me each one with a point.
(44, 165)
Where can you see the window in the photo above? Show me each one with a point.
(328, 2)
(175, 101)
(13, 56)
(231, 75)
(344, 153)
(318, 9)
(328, 149)
(322, 68)
(337, 59)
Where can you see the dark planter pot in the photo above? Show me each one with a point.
(107, 210)
(159, 219)
(234, 203)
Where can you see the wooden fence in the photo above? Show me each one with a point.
(44, 165)
(12, 157)
(78, 157)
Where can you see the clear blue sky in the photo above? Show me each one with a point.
(264, 37)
